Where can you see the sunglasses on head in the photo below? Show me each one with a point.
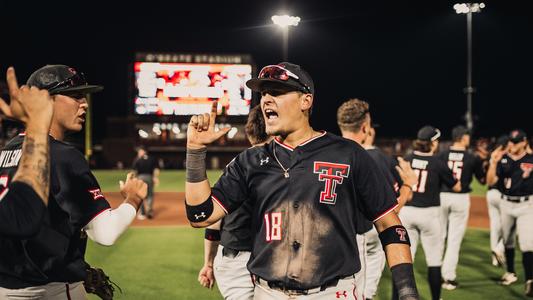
(279, 73)
(74, 80)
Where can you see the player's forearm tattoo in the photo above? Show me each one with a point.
(195, 165)
(34, 166)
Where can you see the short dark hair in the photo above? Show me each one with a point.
(352, 114)
(255, 126)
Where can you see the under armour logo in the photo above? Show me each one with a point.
(339, 294)
(202, 215)
(264, 161)
(402, 233)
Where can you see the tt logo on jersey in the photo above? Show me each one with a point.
(96, 193)
(332, 174)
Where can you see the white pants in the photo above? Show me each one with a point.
(233, 278)
(345, 289)
(423, 223)
(519, 216)
(454, 218)
(496, 237)
(375, 262)
(50, 291)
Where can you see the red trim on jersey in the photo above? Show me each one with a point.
(219, 204)
(96, 215)
(277, 140)
(385, 213)
(22, 133)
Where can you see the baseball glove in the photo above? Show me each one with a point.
(97, 282)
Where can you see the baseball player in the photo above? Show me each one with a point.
(304, 200)
(147, 170)
(514, 170)
(353, 118)
(455, 206)
(422, 214)
(233, 232)
(23, 200)
(50, 264)
(494, 197)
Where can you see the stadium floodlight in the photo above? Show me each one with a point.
(284, 22)
(465, 8)
(469, 9)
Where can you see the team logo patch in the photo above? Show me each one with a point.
(96, 193)
(332, 174)
(402, 234)
(526, 166)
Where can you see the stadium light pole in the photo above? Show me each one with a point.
(284, 22)
(469, 9)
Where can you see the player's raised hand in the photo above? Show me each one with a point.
(497, 154)
(133, 187)
(406, 172)
(32, 106)
(206, 277)
(201, 130)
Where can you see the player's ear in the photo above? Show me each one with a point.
(306, 102)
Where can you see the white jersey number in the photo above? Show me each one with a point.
(457, 168)
(422, 175)
(273, 226)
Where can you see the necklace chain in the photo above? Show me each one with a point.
(285, 171)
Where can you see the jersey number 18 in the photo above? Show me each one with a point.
(273, 226)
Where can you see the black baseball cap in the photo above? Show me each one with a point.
(428, 133)
(458, 132)
(502, 140)
(61, 79)
(286, 74)
(517, 136)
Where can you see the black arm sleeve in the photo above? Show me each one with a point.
(21, 211)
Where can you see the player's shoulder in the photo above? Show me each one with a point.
(63, 153)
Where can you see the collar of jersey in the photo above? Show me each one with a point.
(276, 139)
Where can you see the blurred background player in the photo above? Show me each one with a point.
(147, 170)
(51, 264)
(227, 265)
(514, 169)
(422, 214)
(494, 198)
(456, 205)
(23, 201)
(354, 120)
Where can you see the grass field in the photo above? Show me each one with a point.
(163, 262)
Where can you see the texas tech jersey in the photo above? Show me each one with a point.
(464, 166)
(432, 173)
(304, 225)
(56, 252)
(510, 173)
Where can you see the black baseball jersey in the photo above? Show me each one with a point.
(56, 252)
(464, 166)
(236, 229)
(21, 209)
(432, 172)
(387, 166)
(145, 165)
(510, 173)
(304, 225)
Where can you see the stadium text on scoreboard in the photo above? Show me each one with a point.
(186, 84)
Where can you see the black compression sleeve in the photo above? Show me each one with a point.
(201, 212)
(21, 211)
(404, 280)
(212, 235)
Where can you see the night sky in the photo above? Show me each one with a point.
(408, 61)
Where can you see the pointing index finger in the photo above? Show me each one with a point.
(12, 83)
(213, 115)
